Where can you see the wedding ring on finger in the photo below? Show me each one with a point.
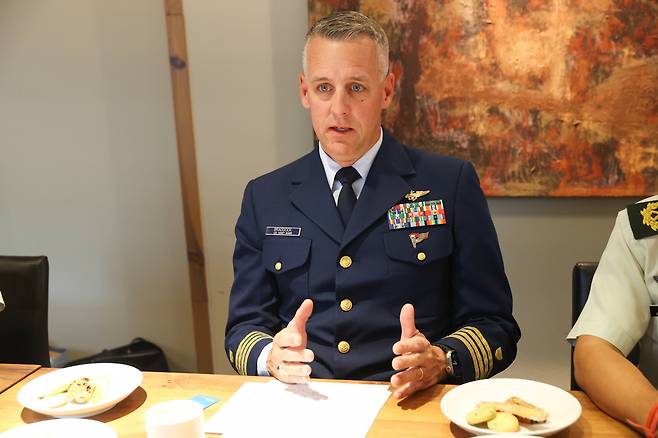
(422, 373)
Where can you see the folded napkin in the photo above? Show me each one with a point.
(2, 303)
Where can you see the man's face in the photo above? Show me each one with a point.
(345, 95)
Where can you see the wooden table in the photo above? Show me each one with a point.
(418, 416)
(11, 374)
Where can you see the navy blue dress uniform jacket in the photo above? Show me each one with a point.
(459, 291)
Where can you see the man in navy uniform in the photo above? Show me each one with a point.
(366, 259)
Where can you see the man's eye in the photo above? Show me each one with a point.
(357, 88)
(323, 88)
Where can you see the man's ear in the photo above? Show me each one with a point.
(303, 90)
(389, 86)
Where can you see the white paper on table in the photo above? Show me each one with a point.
(318, 409)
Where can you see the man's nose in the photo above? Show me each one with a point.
(340, 104)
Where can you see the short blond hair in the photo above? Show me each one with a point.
(348, 25)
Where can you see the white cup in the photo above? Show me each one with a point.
(174, 419)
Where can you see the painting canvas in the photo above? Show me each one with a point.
(545, 97)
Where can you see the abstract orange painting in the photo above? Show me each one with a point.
(545, 97)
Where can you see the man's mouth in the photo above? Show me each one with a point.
(340, 129)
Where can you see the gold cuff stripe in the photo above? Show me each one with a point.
(477, 367)
(486, 364)
(239, 357)
(478, 341)
(467, 342)
(486, 346)
(479, 354)
(244, 350)
(247, 351)
(247, 345)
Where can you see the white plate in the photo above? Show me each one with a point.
(62, 428)
(118, 381)
(563, 408)
(509, 435)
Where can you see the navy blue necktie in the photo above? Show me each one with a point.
(346, 198)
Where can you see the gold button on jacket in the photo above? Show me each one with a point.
(345, 262)
(421, 256)
(343, 347)
(278, 266)
(346, 305)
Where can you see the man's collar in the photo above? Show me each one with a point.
(362, 165)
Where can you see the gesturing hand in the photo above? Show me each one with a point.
(422, 363)
(289, 356)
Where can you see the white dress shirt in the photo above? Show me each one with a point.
(362, 165)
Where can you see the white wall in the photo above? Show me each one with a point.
(88, 170)
(244, 60)
(541, 240)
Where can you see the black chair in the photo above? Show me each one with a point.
(24, 321)
(140, 353)
(583, 273)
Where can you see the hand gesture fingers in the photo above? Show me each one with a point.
(419, 362)
(409, 381)
(289, 355)
(407, 322)
(290, 338)
(417, 344)
(407, 361)
(296, 355)
(302, 315)
(293, 372)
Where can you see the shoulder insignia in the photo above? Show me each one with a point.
(643, 218)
